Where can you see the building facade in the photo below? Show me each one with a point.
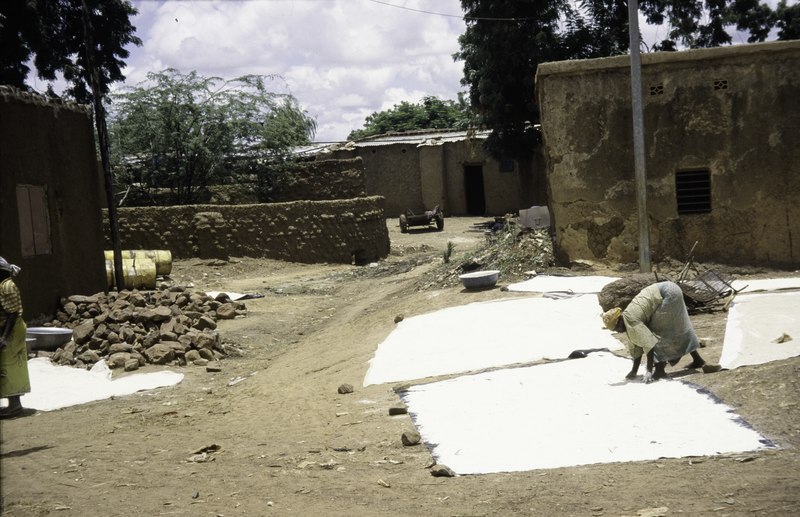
(722, 160)
(50, 214)
(421, 169)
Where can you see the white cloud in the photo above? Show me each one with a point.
(397, 95)
(342, 59)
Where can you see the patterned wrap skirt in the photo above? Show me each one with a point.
(14, 378)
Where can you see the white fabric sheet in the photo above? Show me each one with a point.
(574, 412)
(755, 324)
(575, 284)
(55, 387)
(766, 284)
(489, 334)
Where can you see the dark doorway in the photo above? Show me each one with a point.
(473, 188)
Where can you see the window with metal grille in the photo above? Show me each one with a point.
(693, 191)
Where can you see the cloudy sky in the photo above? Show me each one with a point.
(342, 59)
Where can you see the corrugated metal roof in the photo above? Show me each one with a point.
(312, 149)
(415, 138)
(421, 137)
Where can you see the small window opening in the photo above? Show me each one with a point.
(721, 84)
(506, 165)
(657, 89)
(693, 191)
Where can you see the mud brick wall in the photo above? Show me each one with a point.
(322, 180)
(730, 114)
(340, 231)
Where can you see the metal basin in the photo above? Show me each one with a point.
(48, 338)
(480, 279)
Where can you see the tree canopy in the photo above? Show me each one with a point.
(183, 132)
(431, 113)
(51, 34)
(787, 20)
(505, 40)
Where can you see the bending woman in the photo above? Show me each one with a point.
(658, 327)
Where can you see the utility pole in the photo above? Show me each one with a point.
(638, 137)
(102, 136)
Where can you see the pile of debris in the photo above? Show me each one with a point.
(510, 248)
(129, 329)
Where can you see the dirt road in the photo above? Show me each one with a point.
(289, 444)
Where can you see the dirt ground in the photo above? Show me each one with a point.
(290, 444)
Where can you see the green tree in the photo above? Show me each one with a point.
(707, 23)
(505, 41)
(51, 34)
(183, 133)
(501, 47)
(431, 113)
(787, 20)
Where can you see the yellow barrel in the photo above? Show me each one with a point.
(136, 273)
(162, 258)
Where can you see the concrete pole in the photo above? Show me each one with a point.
(638, 137)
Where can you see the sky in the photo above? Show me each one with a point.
(342, 59)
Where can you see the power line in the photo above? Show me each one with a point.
(465, 18)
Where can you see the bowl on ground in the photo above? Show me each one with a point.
(480, 279)
(48, 338)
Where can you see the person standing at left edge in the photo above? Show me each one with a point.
(14, 380)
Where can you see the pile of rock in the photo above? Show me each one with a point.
(129, 329)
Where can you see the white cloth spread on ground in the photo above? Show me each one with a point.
(489, 334)
(574, 412)
(756, 326)
(766, 284)
(551, 283)
(55, 387)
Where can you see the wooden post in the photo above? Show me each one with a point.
(102, 137)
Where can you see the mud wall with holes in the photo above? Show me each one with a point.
(341, 231)
(728, 117)
(50, 219)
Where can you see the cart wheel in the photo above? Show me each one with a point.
(403, 224)
(439, 222)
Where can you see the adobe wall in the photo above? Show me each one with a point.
(49, 143)
(733, 111)
(391, 171)
(322, 180)
(341, 231)
(419, 177)
(501, 189)
(306, 180)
